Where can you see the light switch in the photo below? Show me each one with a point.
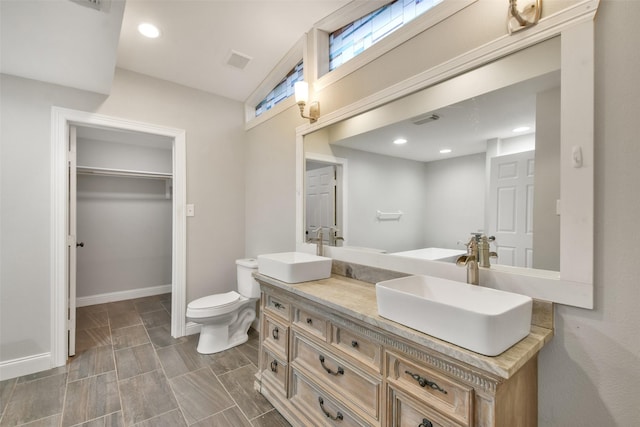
(191, 210)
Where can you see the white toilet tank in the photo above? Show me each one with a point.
(247, 285)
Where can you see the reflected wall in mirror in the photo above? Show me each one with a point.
(414, 200)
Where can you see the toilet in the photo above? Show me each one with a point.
(226, 317)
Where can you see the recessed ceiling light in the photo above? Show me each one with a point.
(521, 129)
(149, 30)
(445, 151)
(399, 141)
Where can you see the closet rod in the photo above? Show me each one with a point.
(86, 170)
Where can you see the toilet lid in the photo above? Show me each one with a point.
(217, 300)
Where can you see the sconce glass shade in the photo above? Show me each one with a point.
(301, 91)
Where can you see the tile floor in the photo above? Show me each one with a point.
(129, 371)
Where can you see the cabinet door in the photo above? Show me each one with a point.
(311, 322)
(273, 372)
(405, 411)
(361, 348)
(439, 391)
(321, 408)
(276, 306)
(275, 335)
(360, 390)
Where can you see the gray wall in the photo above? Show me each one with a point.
(454, 191)
(215, 184)
(388, 184)
(588, 374)
(546, 222)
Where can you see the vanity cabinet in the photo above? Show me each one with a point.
(322, 363)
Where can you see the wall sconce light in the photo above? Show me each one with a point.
(302, 97)
(529, 16)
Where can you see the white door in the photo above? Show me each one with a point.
(71, 244)
(321, 201)
(511, 208)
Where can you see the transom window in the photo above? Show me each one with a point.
(283, 89)
(357, 36)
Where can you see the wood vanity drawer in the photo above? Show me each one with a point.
(275, 335)
(405, 411)
(358, 388)
(310, 322)
(274, 372)
(277, 306)
(437, 390)
(320, 407)
(358, 346)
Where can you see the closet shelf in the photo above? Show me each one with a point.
(88, 170)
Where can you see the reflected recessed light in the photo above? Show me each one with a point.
(399, 141)
(445, 151)
(149, 30)
(521, 129)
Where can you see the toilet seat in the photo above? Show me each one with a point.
(212, 305)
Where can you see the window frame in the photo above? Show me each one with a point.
(290, 60)
(322, 77)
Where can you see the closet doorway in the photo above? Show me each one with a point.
(105, 165)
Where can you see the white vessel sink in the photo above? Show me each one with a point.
(294, 267)
(483, 320)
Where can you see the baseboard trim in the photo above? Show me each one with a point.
(193, 328)
(122, 295)
(24, 366)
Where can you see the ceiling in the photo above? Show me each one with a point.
(65, 42)
(463, 127)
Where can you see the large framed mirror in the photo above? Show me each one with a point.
(410, 207)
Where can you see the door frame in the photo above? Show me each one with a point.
(61, 118)
(341, 193)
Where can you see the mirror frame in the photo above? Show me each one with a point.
(573, 285)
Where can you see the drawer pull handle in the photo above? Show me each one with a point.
(275, 333)
(425, 423)
(354, 343)
(425, 382)
(277, 304)
(309, 321)
(338, 414)
(329, 371)
(274, 366)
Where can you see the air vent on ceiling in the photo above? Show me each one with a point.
(425, 118)
(238, 60)
(94, 4)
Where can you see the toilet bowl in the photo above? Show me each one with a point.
(225, 318)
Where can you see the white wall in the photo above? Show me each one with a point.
(388, 184)
(215, 184)
(588, 374)
(124, 223)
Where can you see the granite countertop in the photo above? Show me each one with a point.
(357, 299)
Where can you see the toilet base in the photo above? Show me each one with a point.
(227, 331)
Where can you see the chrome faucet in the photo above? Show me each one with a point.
(470, 260)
